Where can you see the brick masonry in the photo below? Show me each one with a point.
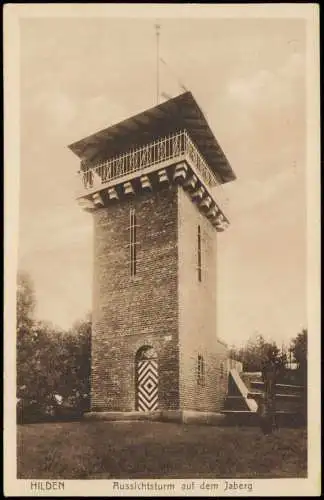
(131, 312)
(198, 313)
(163, 306)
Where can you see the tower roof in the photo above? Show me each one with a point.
(181, 112)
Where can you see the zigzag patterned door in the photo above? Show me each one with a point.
(147, 382)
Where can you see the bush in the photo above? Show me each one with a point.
(49, 410)
(53, 373)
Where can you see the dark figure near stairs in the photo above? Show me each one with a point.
(267, 405)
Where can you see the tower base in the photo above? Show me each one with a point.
(179, 416)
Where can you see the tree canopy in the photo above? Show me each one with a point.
(256, 352)
(52, 365)
(26, 302)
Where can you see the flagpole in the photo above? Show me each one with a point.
(157, 30)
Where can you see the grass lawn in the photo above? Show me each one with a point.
(102, 449)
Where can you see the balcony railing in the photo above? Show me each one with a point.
(163, 150)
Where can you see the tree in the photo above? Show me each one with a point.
(256, 352)
(52, 364)
(80, 361)
(298, 348)
(25, 307)
(236, 353)
(26, 302)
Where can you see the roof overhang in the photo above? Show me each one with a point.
(181, 112)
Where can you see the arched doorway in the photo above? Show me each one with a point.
(147, 379)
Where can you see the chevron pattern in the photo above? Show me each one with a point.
(147, 385)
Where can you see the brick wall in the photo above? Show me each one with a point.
(164, 306)
(197, 313)
(130, 312)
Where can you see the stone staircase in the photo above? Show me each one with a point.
(244, 393)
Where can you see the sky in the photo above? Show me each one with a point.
(78, 76)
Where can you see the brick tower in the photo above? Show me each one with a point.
(150, 184)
